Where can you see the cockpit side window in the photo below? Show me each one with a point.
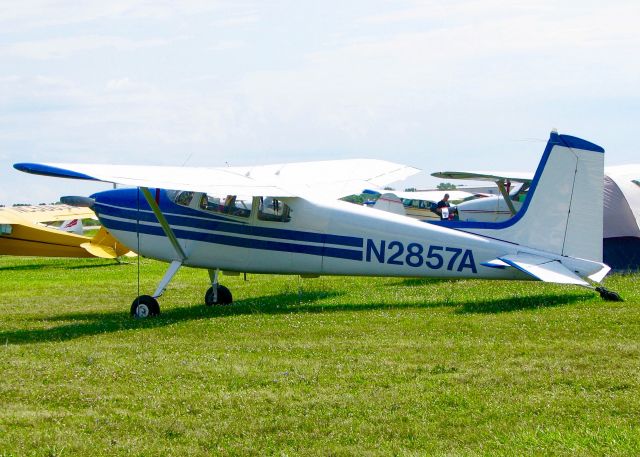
(274, 210)
(182, 197)
(230, 205)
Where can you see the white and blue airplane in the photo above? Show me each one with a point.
(286, 219)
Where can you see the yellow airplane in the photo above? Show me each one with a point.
(23, 233)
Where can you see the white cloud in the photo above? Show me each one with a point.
(27, 14)
(457, 11)
(57, 48)
(238, 20)
(227, 45)
(128, 86)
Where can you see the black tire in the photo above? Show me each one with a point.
(145, 306)
(224, 296)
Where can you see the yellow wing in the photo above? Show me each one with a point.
(26, 239)
(43, 213)
(41, 241)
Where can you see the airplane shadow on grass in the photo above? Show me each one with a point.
(88, 324)
(502, 305)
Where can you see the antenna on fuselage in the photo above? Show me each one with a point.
(187, 159)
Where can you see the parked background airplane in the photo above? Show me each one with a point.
(203, 226)
(419, 204)
(23, 233)
(71, 225)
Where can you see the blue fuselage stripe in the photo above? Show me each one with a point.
(236, 241)
(203, 222)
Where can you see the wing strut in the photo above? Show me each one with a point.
(506, 196)
(147, 305)
(163, 222)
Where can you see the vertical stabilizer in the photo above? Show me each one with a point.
(390, 203)
(563, 211)
(72, 226)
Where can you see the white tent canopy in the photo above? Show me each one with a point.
(621, 201)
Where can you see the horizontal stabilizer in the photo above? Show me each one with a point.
(390, 203)
(599, 275)
(543, 269)
(496, 263)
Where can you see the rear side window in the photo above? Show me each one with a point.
(274, 210)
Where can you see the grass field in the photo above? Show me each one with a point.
(329, 366)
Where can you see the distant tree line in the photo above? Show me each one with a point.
(31, 204)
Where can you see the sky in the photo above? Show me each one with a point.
(455, 85)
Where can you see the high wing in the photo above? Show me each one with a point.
(321, 179)
(501, 179)
(433, 195)
(43, 213)
(493, 176)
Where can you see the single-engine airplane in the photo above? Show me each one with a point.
(273, 219)
(513, 187)
(23, 233)
(419, 204)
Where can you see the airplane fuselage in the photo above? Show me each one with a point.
(319, 238)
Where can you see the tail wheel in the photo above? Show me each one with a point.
(145, 306)
(224, 297)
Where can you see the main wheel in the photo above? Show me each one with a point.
(145, 306)
(224, 296)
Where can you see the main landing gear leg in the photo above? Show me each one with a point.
(146, 305)
(217, 294)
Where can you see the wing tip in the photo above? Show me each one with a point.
(49, 170)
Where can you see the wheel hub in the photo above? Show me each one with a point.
(142, 310)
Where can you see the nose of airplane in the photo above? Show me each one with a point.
(119, 199)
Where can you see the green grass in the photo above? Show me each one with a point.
(328, 366)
